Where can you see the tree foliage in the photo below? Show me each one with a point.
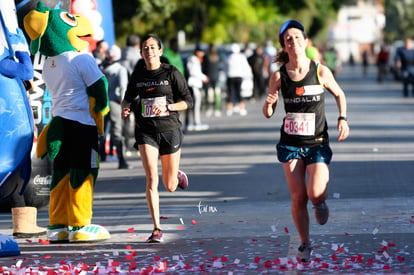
(221, 21)
(400, 19)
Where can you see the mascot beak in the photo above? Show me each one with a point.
(84, 28)
(35, 24)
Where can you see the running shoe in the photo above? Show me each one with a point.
(304, 252)
(156, 238)
(321, 212)
(182, 180)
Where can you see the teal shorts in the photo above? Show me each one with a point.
(320, 153)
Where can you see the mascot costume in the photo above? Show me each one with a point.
(79, 103)
(16, 128)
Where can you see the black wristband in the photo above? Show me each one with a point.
(342, 118)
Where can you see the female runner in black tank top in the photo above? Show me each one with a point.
(303, 148)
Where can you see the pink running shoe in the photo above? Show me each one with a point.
(182, 180)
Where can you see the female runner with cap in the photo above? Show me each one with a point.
(303, 148)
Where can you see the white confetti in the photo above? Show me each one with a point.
(273, 228)
(236, 261)
(181, 220)
(384, 243)
(19, 263)
(375, 231)
(283, 260)
(336, 195)
(218, 264)
(386, 255)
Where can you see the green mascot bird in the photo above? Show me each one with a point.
(80, 101)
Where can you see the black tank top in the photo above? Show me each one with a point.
(304, 124)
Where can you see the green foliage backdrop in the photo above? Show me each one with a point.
(222, 21)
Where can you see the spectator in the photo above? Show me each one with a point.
(405, 62)
(330, 59)
(130, 54)
(365, 62)
(211, 67)
(117, 76)
(101, 51)
(173, 56)
(237, 68)
(382, 63)
(196, 78)
(260, 68)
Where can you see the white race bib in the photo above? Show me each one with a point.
(301, 124)
(147, 106)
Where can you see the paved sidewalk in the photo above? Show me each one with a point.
(235, 216)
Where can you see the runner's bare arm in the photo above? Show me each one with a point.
(333, 87)
(272, 97)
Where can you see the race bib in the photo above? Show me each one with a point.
(301, 124)
(147, 106)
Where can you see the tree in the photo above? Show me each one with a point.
(222, 21)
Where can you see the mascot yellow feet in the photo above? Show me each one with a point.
(59, 234)
(88, 233)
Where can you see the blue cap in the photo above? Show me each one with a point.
(288, 25)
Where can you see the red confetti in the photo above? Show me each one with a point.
(180, 227)
(325, 265)
(115, 263)
(254, 240)
(133, 265)
(29, 241)
(334, 257)
(209, 252)
(286, 230)
(131, 230)
(45, 242)
(193, 222)
(257, 260)
(268, 264)
(391, 244)
(129, 257)
(128, 247)
(400, 259)
(340, 250)
(224, 259)
(47, 256)
(411, 221)
(387, 267)
(164, 218)
(157, 258)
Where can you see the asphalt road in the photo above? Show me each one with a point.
(235, 216)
